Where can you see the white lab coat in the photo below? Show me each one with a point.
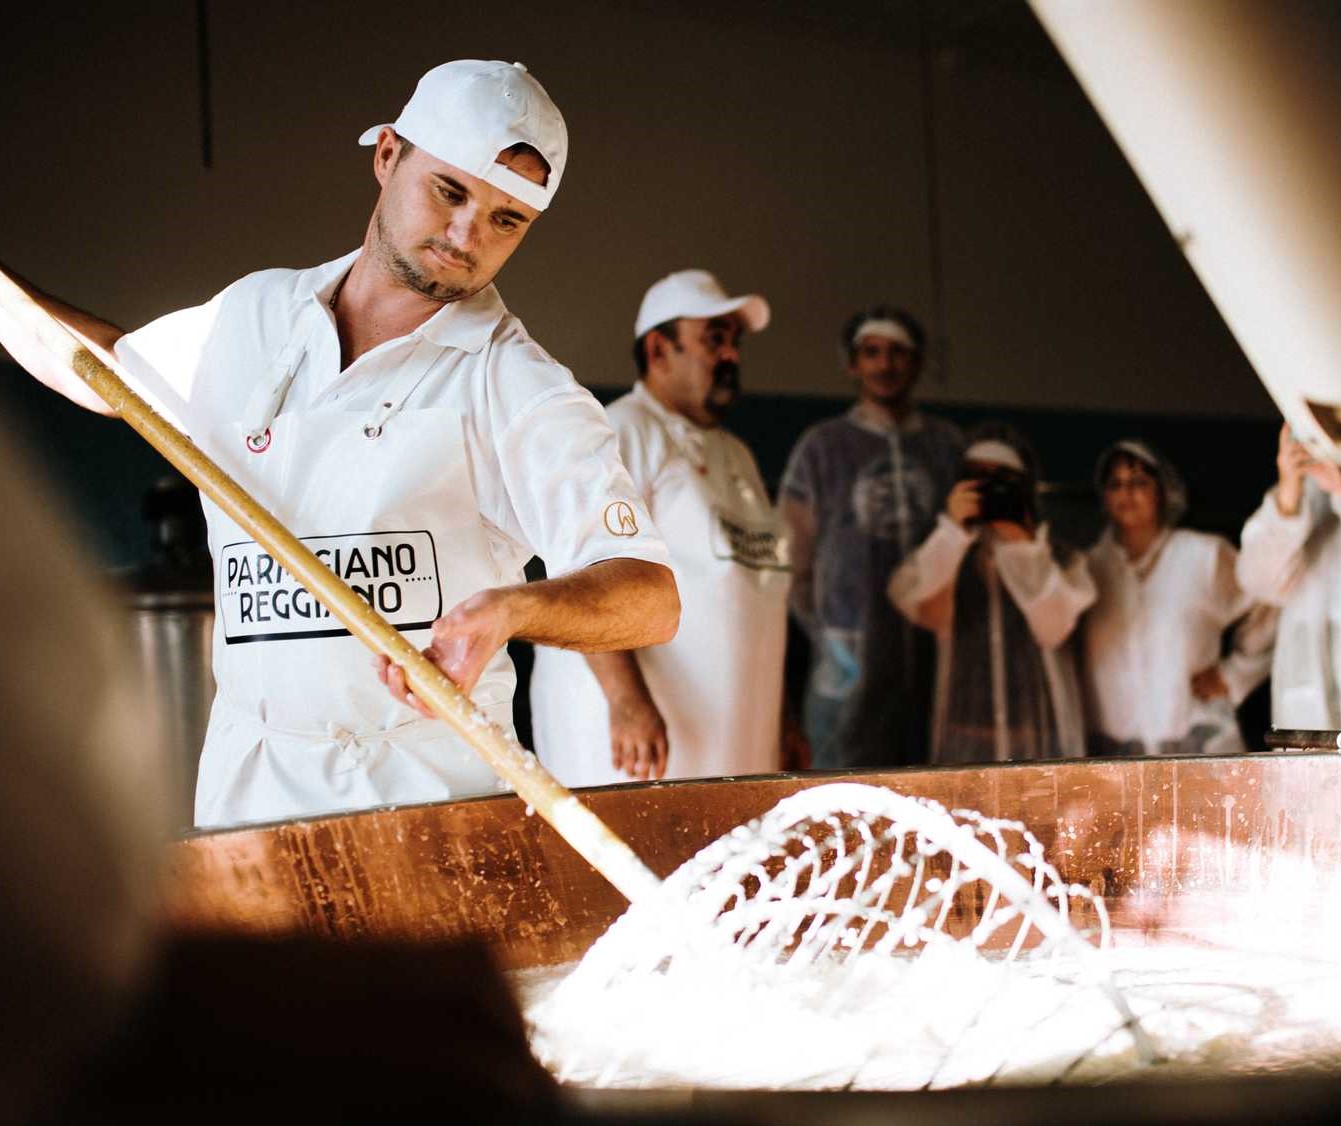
(718, 684)
(1294, 562)
(1157, 620)
(985, 706)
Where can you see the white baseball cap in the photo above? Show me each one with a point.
(468, 111)
(696, 293)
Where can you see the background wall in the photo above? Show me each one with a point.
(782, 144)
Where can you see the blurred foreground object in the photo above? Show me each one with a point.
(83, 808)
(309, 1030)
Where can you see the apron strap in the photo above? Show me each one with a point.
(268, 399)
(412, 374)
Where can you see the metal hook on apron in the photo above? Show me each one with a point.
(268, 401)
(412, 374)
(258, 435)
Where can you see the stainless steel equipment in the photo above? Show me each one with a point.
(172, 631)
(170, 601)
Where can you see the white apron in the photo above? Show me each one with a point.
(301, 725)
(718, 684)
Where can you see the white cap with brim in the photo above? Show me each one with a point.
(696, 293)
(468, 111)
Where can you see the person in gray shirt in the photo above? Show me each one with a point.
(860, 492)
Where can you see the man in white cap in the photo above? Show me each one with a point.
(708, 703)
(860, 492)
(389, 409)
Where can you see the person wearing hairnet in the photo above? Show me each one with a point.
(1002, 599)
(1154, 679)
(1291, 558)
(859, 493)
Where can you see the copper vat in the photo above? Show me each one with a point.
(1232, 851)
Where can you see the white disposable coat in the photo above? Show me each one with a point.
(431, 468)
(1002, 692)
(1157, 620)
(718, 684)
(1294, 562)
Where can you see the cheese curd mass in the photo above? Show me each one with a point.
(956, 1019)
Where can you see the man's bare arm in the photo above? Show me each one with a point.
(98, 336)
(638, 742)
(800, 518)
(616, 604)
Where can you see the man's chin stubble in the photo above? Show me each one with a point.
(410, 276)
(405, 272)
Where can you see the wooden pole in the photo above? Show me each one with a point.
(581, 828)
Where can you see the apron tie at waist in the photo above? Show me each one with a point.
(351, 743)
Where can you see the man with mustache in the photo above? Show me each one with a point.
(708, 703)
(389, 409)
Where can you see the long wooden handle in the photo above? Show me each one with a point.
(581, 828)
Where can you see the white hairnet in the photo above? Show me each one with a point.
(1173, 493)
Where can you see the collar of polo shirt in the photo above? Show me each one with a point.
(466, 324)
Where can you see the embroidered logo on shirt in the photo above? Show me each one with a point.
(619, 519)
(394, 572)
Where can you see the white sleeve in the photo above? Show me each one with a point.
(1050, 597)
(1249, 661)
(162, 360)
(1222, 596)
(572, 497)
(930, 568)
(642, 449)
(1269, 561)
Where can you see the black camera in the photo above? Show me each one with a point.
(1006, 494)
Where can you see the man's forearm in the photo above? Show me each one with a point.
(616, 604)
(97, 335)
(638, 742)
(618, 673)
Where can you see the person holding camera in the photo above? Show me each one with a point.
(1155, 681)
(1291, 558)
(1002, 599)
